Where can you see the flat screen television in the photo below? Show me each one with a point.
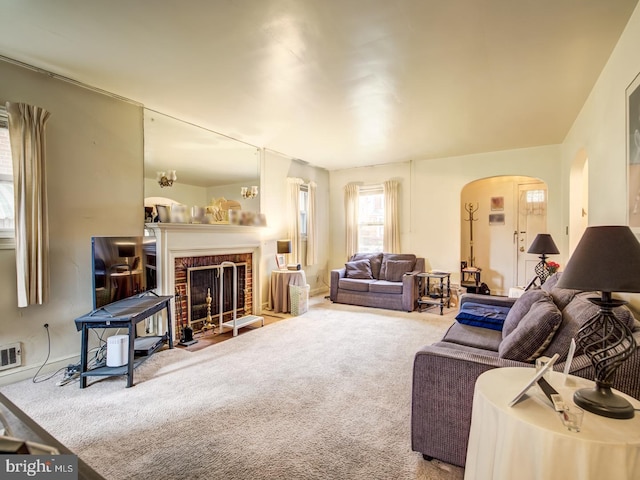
(122, 267)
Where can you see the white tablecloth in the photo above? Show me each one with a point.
(279, 300)
(528, 440)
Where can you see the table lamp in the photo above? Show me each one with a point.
(607, 259)
(284, 248)
(543, 245)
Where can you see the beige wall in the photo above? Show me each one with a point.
(431, 209)
(275, 168)
(599, 134)
(94, 174)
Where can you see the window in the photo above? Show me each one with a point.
(370, 219)
(6, 185)
(304, 210)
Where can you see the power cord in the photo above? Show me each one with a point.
(35, 378)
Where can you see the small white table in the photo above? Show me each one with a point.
(279, 300)
(528, 440)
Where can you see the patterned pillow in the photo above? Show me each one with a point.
(561, 296)
(397, 268)
(387, 257)
(358, 269)
(520, 308)
(533, 334)
(375, 259)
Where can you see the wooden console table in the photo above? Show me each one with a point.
(126, 313)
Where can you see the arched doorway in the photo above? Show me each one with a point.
(509, 212)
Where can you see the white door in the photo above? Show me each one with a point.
(532, 220)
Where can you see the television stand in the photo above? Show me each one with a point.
(126, 313)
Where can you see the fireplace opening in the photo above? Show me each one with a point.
(203, 294)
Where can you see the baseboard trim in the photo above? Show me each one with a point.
(18, 374)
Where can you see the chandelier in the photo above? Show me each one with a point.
(249, 192)
(166, 179)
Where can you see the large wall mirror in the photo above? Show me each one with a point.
(209, 166)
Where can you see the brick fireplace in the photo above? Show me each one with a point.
(186, 248)
(199, 277)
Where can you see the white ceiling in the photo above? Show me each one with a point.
(337, 83)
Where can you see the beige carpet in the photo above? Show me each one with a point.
(325, 395)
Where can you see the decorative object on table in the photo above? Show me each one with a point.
(552, 267)
(542, 245)
(166, 179)
(538, 375)
(607, 259)
(283, 249)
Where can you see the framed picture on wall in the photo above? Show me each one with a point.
(496, 219)
(497, 204)
(633, 154)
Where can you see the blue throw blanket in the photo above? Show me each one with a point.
(481, 315)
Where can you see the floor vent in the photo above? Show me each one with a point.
(10, 356)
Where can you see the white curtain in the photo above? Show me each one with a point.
(312, 234)
(391, 239)
(26, 135)
(351, 218)
(293, 216)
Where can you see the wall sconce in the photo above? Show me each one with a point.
(166, 179)
(247, 192)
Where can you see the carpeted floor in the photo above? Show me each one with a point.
(325, 395)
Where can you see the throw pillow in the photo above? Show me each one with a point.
(575, 315)
(387, 257)
(520, 308)
(375, 259)
(561, 296)
(481, 315)
(397, 268)
(533, 334)
(358, 269)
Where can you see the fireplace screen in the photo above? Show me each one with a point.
(205, 281)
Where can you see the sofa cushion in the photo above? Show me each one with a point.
(520, 308)
(574, 316)
(375, 259)
(561, 296)
(395, 269)
(482, 315)
(476, 337)
(355, 284)
(395, 256)
(358, 269)
(384, 286)
(534, 332)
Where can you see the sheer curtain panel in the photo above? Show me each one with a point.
(312, 233)
(391, 240)
(351, 218)
(26, 135)
(293, 216)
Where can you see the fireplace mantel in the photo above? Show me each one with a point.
(177, 240)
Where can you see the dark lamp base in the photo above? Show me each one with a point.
(602, 401)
